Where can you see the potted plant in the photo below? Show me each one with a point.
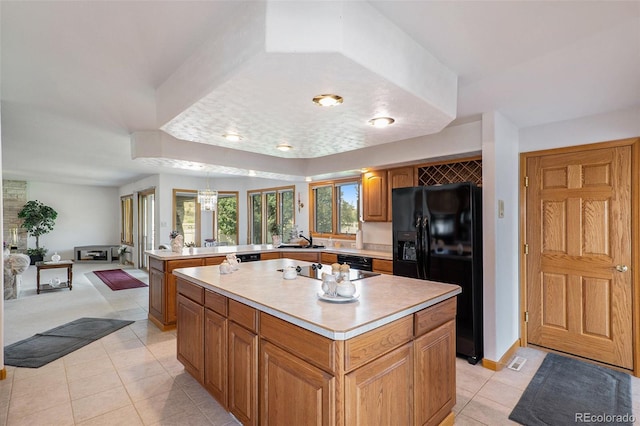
(276, 234)
(122, 254)
(38, 219)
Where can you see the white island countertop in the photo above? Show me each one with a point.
(383, 298)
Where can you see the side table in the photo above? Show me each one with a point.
(66, 264)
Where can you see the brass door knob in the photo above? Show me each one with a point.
(622, 268)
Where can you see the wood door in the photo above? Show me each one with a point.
(190, 336)
(374, 196)
(242, 385)
(381, 392)
(398, 178)
(578, 231)
(215, 351)
(435, 374)
(294, 392)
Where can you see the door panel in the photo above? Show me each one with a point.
(578, 230)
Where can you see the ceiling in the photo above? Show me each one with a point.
(81, 80)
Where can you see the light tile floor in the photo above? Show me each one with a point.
(132, 377)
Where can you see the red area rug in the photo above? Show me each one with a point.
(117, 279)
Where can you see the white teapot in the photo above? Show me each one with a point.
(233, 261)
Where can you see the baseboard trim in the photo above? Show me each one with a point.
(3, 373)
(449, 420)
(502, 362)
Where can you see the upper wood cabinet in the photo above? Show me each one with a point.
(398, 178)
(374, 196)
(376, 191)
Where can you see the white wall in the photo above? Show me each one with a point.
(500, 234)
(87, 215)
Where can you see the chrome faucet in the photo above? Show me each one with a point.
(310, 239)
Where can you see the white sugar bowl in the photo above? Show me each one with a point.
(225, 268)
(346, 289)
(289, 273)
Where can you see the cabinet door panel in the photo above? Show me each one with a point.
(156, 294)
(215, 355)
(381, 392)
(243, 374)
(294, 392)
(374, 192)
(435, 379)
(191, 337)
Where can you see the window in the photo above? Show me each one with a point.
(269, 207)
(335, 207)
(126, 213)
(226, 218)
(186, 215)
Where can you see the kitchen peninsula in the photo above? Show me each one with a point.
(162, 282)
(271, 352)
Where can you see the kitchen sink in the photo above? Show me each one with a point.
(298, 246)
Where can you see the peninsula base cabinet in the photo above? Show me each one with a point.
(267, 371)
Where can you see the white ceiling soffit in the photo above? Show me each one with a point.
(258, 81)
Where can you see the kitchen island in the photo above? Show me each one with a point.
(271, 352)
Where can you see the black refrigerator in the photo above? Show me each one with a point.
(437, 236)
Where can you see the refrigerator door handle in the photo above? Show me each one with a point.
(426, 248)
(418, 245)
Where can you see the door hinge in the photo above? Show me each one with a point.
(526, 316)
(526, 181)
(526, 248)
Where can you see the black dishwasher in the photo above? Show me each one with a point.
(248, 257)
(356, 262)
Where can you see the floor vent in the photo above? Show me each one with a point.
(517, 363)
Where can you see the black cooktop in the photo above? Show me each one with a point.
(317, 269)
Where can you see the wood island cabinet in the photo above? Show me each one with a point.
(381, 392)
(268, 371)
(191, 336)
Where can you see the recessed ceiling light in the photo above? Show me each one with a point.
(284, 147)
(381, 122)
(252, 172)
(327, 100)
(232, 137)
(307, 179)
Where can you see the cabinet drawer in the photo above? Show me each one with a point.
(216, 302)
(192, 291)
(328, 258)
(297, 255)
(243, 315)
(305, 344)
(183, 263)
(156, 264)
(383, 266)
(268, 255)
(370, 345)
(434, 316)
(208, 261)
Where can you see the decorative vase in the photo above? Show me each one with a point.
(277, 240)
(177, 243)
(123, 259)
(55, 257)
